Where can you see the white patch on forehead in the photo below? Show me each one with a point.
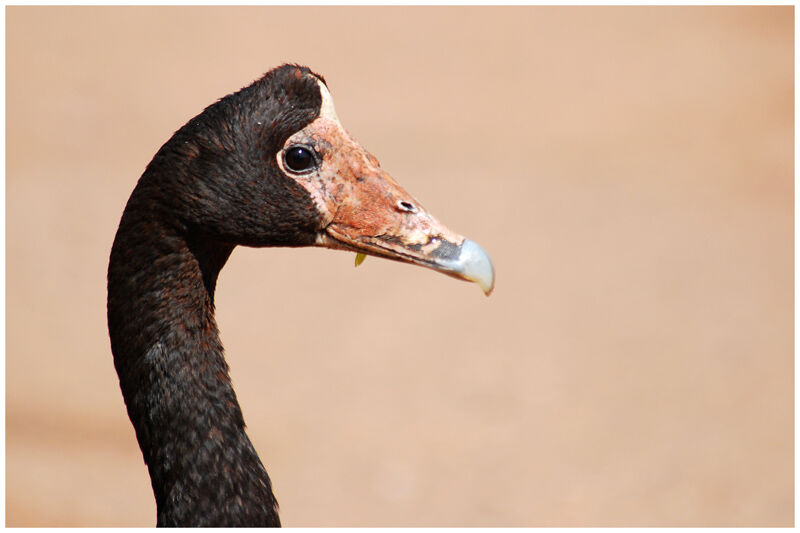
(326, 110)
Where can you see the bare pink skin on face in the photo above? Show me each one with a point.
(363, 207)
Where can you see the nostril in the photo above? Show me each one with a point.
(407, 207)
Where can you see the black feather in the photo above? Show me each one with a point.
(214, 185)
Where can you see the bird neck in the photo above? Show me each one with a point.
(174, 378)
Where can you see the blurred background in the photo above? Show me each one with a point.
(630, 170)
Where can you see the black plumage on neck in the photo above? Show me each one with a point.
(174, 378)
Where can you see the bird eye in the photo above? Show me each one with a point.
(299, 159)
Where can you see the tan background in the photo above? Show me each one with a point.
(629, 169)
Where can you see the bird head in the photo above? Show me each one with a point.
(272, 165)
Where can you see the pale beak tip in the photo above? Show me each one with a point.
(474, 264)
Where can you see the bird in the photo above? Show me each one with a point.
(269, 165)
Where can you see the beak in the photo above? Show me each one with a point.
(365, 210)
(377, 217)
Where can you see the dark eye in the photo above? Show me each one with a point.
(299, 159)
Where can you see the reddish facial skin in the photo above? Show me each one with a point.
(364, 209)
